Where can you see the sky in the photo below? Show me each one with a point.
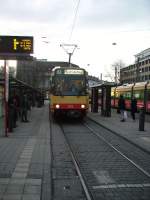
(92, 25)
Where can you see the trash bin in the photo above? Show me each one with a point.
(141, 119)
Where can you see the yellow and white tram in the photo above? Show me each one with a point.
(69, 92)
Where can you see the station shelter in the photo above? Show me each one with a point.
(16, 87)
(101, 99)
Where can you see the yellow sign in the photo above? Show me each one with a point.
(24, 44)
(16, 44)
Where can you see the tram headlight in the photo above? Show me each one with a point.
(57, 106)
(82, 106)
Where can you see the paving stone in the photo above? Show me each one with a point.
(27, 149)
(12, 197)
(24, 160)
(21, 170)
(4, 180)
(19, 175)
(30, 197)
(22, 165)
(18, 181)
(32, 189)
(33, 181)
(2, 188)
(14, 189)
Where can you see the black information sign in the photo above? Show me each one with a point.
(16, 44)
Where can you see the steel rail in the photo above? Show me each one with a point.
(81, 177)
(121, 136)
(51, 154)
(118, 151)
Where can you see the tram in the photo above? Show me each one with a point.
(69, 92)
(141, 91)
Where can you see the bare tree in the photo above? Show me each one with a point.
(116, 66)
(114, 73)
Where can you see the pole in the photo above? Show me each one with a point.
(70, 54)
(137, 70)
(6, 85)
(116, 74)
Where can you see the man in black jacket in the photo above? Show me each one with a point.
(133, 107)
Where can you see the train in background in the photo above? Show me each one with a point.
(141, 91)
(69, 92)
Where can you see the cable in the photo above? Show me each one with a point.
(74, 20)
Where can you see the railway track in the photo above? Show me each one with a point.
(103, 165)
(129, 148)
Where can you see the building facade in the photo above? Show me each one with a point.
(138, 72)
(37, 72)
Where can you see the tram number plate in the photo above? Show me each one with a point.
(70, 106)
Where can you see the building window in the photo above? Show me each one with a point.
(146, 69)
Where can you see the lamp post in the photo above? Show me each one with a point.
(114, 44)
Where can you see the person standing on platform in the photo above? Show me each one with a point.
(121, 106)
(24, 108)
(10, 114)
(133, 107)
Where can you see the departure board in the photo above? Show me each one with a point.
(16, 44)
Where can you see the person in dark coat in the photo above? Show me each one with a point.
(121, 106)
(10, 114)
(24, 108)
(133, 107)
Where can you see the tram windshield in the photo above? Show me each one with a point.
(70, 85)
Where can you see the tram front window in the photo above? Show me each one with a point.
(69, 86)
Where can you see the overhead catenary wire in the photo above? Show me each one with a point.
(74, 20)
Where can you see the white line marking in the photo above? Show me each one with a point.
(114, 186)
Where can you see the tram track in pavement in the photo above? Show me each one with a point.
(66, 181)
(107, 172)
(130, 149)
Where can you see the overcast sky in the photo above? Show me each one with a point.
(97, 25)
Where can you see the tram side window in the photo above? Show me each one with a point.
(127, 95)
(139, 94)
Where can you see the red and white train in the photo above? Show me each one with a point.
(141, 91)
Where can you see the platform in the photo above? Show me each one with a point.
(129, 129)
(25, 157)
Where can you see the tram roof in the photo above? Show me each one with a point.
(100, 85)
